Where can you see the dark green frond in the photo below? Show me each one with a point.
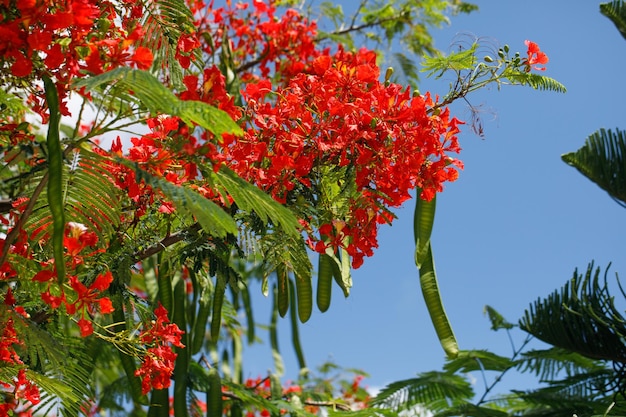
(581, 317)
(547, 364)
(65, 372)
(432, 390)
(568, 397)
(616, 11)
(583, 385)
(602, 160)
(469, 409)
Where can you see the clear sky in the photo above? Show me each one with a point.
(513, 227)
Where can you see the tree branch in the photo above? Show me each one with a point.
(358, 28)
(167, 241)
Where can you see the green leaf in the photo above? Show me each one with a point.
(432, 390)
(457, 61)
(536, 81)
(602, 159)
(549, 364)
(616, 12)
(250, 198)
(158, 99)
(469, 409)
(581, 317)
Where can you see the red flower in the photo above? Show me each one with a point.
(24, 388)
(45, 275)
(8, 338)
(22, 67)
(535, 56)
(86, 328)
(86, 300)
(143, 58)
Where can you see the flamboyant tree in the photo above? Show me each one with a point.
(158, 156)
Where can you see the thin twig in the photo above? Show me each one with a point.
(167, 241)
(12, 235)
(358, 28)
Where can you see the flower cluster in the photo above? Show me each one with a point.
(337, 114)
(77, 297)
(21, 389)
(158, 362)
(260, 42)
(66, 38)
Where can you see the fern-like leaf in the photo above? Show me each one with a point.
(581, 317)
(616, 12)
(548, 364)
(89, 198)
(536, 81)
(456, 61)
(469, 409)
(251, 199)
(158, 99)
(602, 159)
(433, 390)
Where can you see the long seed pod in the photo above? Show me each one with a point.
(247, 306)
(202, 317)
(432, 297)
(324, 281)
(181, 368)
(218, 303)
(295, 333)
(214, 406)
(55, 178)
(283, 289)
(423, 221)
(304, 290)
(278, 360)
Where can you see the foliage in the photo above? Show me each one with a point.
(570, 383)
(601, 160)
(214, 147)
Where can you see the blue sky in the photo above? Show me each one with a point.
(513, 227)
